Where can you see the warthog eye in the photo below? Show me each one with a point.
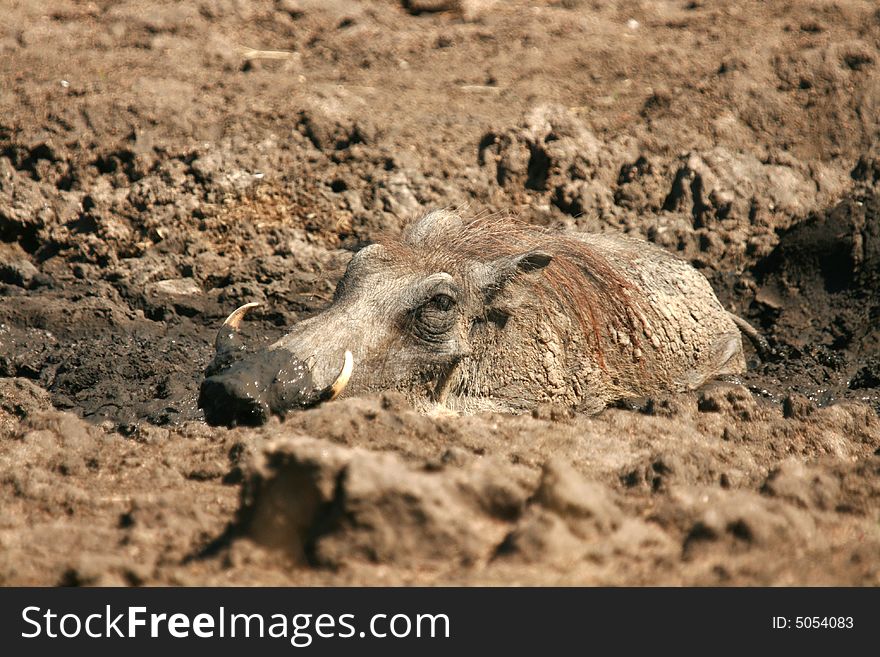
(442, 302)
(434, 318)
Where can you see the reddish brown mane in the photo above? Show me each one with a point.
(579, 279)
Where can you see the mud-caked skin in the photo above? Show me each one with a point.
(243, 387)
(489, 314)
(249, 390)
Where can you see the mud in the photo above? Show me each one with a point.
(162, 163)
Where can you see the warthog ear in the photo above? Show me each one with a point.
(492, 276)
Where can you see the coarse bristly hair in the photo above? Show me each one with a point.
(579, 279)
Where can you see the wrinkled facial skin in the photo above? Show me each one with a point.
(405, 327)
(408, 325)
(410, 333)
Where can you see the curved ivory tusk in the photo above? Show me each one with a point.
(227, 340)
(341, 381)
(238, 314)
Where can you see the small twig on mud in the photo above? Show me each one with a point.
(479, 88)
(253, 53)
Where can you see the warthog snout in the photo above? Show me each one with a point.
(247, 389)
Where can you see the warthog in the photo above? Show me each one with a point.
(489, 314)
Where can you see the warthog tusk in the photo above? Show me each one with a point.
(341, 381)
(227, 340)
(238, 314)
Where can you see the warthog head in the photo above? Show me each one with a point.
(405, 316)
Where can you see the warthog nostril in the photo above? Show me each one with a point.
(243, 388)
(271, 381)
(225, 401)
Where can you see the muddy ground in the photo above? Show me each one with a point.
(162, 163)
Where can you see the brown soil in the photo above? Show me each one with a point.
(162, 163)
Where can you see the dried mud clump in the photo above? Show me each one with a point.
(694, 503)
(354, 505)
